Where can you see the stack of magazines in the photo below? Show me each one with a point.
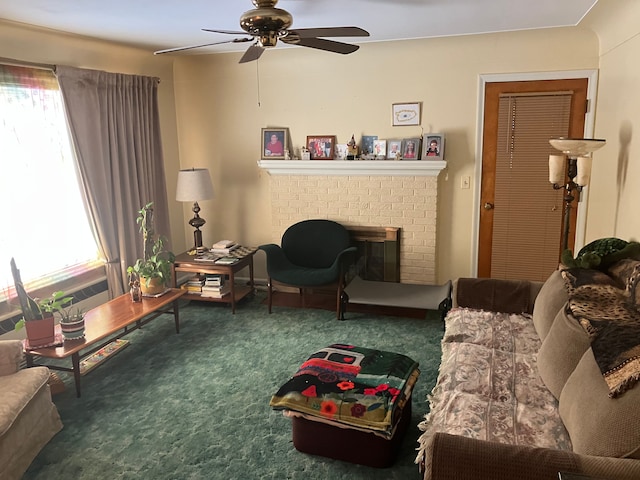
(224, 247)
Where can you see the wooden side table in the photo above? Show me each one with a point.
(187, 263)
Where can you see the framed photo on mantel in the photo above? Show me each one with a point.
(274, 143)
(321, 147)
(433, 146)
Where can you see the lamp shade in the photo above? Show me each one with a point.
(556, 169)
(193, 185)
(584, 171)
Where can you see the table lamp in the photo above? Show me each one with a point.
(193, 185)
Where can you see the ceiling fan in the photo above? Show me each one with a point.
(267, 24)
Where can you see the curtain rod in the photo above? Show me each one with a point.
(21, 63)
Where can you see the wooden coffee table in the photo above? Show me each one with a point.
(108, 322)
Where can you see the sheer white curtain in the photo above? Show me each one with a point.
(115, 128)
(43, 221)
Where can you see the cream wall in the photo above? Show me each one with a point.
(615, 196)
(221, 107)
(29, 44)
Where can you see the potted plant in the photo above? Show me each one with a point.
(154, 268)
(37, 315)
(72, 322)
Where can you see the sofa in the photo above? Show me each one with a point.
(28, 417)
(526, 388)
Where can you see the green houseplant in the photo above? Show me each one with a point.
(72, 322)
(37, 315)
(154, 268)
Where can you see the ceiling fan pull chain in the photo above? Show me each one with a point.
(258, 80)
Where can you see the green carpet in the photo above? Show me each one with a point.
(196, 405)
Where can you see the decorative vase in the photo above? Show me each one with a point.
(40, 332)
(152, 286)
(73, 330)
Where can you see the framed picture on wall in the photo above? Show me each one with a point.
(433, 148)
(274, 143)
(321, 147)
(406, 113)
(411, 149)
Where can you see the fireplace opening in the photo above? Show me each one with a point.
(378, 257)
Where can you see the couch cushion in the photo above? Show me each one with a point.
(561, 351)
(552, 296)
(599, 425)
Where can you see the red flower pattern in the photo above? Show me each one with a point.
(358, 410)
(328, 408)
(345, 385)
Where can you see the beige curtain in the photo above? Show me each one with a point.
(115, 131)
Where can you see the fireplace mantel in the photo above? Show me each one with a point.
(426, 168)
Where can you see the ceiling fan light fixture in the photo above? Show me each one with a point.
(259, 21)
(268, 39)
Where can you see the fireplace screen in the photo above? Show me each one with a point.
(378, 253)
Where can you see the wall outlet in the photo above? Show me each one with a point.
(465, 182)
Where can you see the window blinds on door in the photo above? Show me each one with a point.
(528, 212)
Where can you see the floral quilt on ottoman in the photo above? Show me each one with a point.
(350, 386)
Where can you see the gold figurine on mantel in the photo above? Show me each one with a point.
(352, 149)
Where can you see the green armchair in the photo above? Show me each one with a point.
(313, 253)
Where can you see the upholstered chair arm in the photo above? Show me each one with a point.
(276, 259)
(10, 356)
(455, 457)
(346, 258)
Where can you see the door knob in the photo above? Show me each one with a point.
(488, 206)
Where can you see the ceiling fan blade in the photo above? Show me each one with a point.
(229, 32)
(252, 53)
(178, 49)
(330, 32)
(323, 44)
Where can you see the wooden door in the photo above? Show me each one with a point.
(490, 246)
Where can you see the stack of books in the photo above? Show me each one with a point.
(226, 260)
(194, 284)
(224, 247)
(215, 286)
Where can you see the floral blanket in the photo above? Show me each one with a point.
(351, 386)
(488, 385)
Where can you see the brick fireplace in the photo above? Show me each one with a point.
(363, 194)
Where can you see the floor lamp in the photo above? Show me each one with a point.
(193, 185)
(576, 152)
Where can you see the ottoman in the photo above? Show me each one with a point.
(350, 403)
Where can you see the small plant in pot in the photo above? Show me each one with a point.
(154, 268)
(72, 322)
(37, 315)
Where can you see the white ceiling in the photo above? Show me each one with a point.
(160, 24)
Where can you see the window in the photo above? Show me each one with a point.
(44, 223)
